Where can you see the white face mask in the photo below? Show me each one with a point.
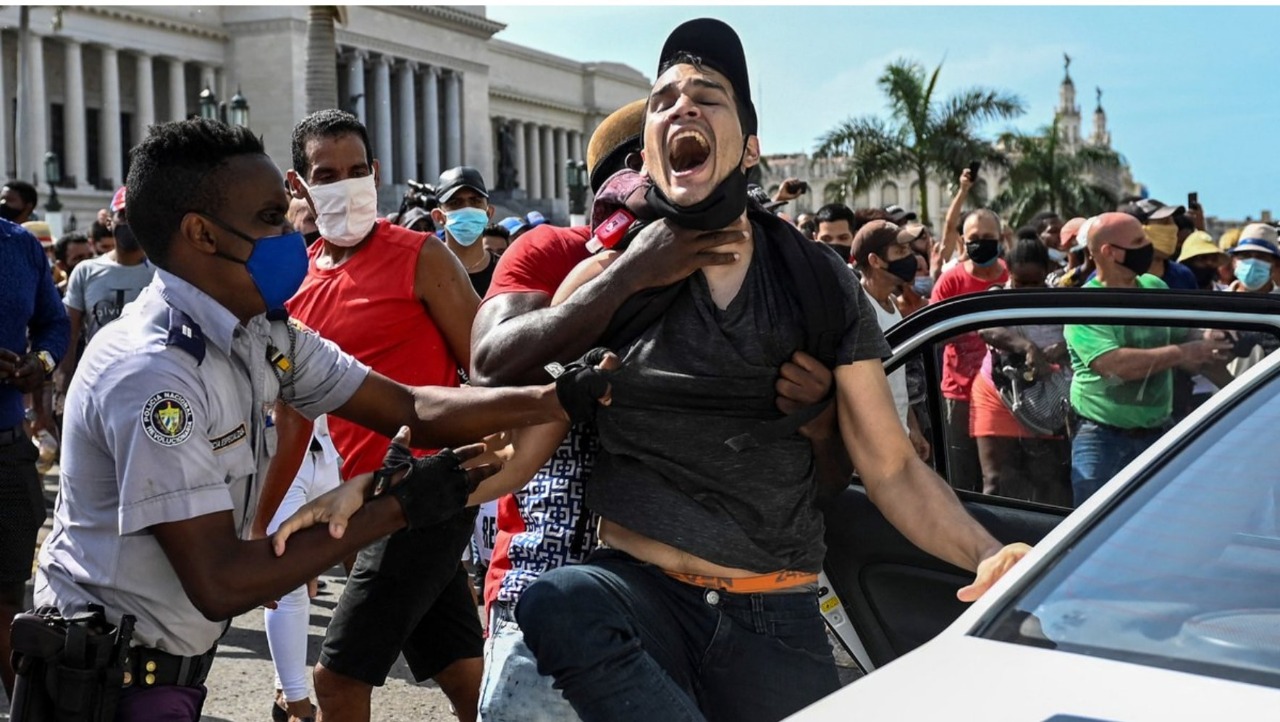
(345, 210)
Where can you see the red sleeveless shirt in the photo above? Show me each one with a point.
(367, 306)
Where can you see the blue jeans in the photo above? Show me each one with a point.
(626, 642)
(1098, 453)
(512, 690)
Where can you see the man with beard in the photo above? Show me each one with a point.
(704, 599)
(100, 288)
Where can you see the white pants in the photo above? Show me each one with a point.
(287, 623)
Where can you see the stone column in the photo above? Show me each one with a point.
(35, 111)
(548, 163)
(355, 84)
(535, 160)
(209, 79)
(382, 115)
(177, 89)
(522, 160)
(562, 155)
(408, 121)
(575, 146)
(110, 154)
(431, 124)
(453, 120)
(146, 110)
(76, 163)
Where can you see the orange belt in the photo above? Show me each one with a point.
(771, 582)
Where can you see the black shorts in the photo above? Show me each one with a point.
(22, 510)
(407, 593)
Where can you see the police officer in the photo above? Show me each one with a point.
(167, 431)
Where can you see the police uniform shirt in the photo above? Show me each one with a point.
(167, 419)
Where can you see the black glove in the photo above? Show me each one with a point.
(581, 384)
(434, 489)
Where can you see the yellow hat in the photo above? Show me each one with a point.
(1229, 239)
(1198, 243)
(41, 230)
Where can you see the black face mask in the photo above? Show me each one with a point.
(9, 213)
(726, 204)
(1139, 260)
(983, 251)
(904, 268)
(125, 240)
(844, 251)
(1205, 275)
(311, 237)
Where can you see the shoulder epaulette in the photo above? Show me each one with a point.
(185, 334)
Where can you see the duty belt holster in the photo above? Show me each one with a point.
(68, 670)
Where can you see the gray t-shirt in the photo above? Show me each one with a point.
(700, 376)
(100, 288)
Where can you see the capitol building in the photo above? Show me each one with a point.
(431, 83)
(826, 175)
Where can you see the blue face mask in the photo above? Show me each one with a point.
(466, 224)
(924, 285)
(277, 265)
(1253, 273)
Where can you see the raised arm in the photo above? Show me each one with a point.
(950, 226)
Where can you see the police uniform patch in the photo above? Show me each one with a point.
(166, 418)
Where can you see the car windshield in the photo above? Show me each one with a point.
(1184, 573)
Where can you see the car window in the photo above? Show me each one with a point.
(1184, 573)
(1050, 412)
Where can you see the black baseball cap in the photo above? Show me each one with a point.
(1150, 209)
(719, 48)
(899, 215)
(455, 179)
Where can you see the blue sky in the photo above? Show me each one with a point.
(1191, 93)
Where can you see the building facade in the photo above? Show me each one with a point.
(431, 83)
(825, 175)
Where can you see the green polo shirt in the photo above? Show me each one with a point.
(1140, 404)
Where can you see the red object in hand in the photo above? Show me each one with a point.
(611, 231)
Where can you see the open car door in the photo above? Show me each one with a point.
(882, 596)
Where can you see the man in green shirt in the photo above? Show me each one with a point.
(1122, 390)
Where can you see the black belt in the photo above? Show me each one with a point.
(11, 434)
(1132, 433)
(147, 667)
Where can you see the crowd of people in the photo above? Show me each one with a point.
(237, 363)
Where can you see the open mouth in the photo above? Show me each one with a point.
(687, 152)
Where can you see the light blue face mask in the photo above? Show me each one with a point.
(465, 225)
(1253, 273)
(923, 285)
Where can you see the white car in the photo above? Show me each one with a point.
(1157, 599)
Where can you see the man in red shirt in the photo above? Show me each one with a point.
(399, 301)
(962, 357)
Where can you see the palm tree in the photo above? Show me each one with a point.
(321, 84)
(921, 136)
(1046, 174)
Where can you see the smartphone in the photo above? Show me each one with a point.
(1193, 199)
(973, 170)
